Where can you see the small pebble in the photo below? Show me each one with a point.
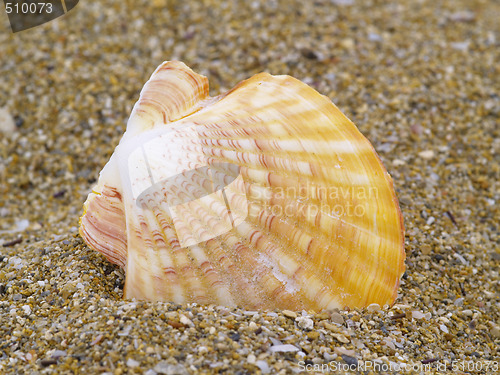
(466, 312)
(7, 124)
(345, 352)
(263, 366)
(185, 320)
(305, 322)
(425, 249)
(170, 369)
(284, 348)
(462, 16)
(337, 318)
(58, 354)
(343, 2)
(27, 309)
(351, 361)
(417, 315)
(495, 332)
(341, 338)
(313, 335)
(202, 350)
(132, 363)
(427, 154)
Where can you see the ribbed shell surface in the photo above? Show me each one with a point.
(315, 222)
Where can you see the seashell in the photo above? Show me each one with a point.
(266, 197)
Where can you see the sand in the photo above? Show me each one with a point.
(420, 80)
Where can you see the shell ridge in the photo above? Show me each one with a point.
(177, 92)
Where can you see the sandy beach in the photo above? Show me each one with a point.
(420, 79)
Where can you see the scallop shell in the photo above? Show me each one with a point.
(266, 196)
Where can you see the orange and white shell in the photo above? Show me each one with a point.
(266, 196)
